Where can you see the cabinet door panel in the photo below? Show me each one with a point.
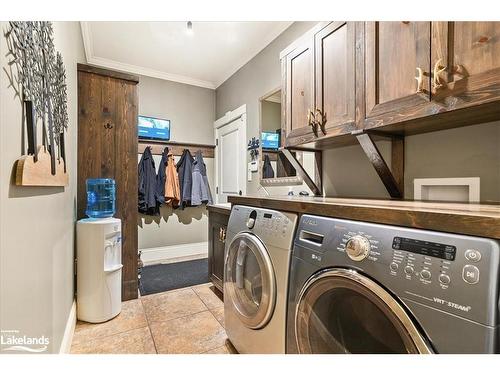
(218, 268)
(467, 60)
(393, 52)
(299, 94)
(217, 223)
(335, 73)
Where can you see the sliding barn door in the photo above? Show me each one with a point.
(107, 148)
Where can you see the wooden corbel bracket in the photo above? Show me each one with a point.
(312, 183)
(392, 178)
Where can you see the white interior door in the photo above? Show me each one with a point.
(230, 154)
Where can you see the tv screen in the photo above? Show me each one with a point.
(154, 128)
(270, 140)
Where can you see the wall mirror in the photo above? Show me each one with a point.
(275, 169)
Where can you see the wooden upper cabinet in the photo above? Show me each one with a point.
(397, 64)
(465, 63)
(299, 93)
(335, 84)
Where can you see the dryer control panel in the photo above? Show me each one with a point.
(455, 273)
(274, 228)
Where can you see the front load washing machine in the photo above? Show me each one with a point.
(257, 261)
(359, 287)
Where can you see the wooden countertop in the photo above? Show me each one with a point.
(222, 208)
(473, 219)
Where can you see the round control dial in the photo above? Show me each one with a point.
(357, 248)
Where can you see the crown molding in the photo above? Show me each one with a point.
(135, 69)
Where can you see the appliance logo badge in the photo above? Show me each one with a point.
(12, 341)
(310, 221)
(452, 304)
(316, 257)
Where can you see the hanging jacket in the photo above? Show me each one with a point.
(200, 191)
(267, 168)
(148, 204)
(185, 173)
(172, 190)
(162, 177)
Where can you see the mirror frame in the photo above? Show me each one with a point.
(276, 181)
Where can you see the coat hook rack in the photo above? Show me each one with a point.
(157, 147)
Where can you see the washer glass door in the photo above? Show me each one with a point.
(250, 280)
(341, 311)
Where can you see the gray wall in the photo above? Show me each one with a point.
(259, 76)
(191, 110)
(37, 224)
(472, 151)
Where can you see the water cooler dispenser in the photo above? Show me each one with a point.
(99, 255)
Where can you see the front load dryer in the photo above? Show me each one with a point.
(358, 287)
(257, 261)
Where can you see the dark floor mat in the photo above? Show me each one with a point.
(162, 277)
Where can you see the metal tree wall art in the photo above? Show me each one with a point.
(37, 74)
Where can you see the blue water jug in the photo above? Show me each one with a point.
(100, 197)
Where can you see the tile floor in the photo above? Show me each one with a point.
(183, 321)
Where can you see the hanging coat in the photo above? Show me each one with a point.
(185, 173)
(172, 190)
(267, 168)
(162, 177)
(148, 204)
(200, 191)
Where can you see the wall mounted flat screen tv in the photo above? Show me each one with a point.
(270, 140)
(154, 128)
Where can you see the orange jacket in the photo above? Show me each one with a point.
(172, 190)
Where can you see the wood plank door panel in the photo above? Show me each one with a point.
(394, 51)
(107, 147)
(125, 155)
(299, 93)
(88, 102)
(335, 65)
(466, 63)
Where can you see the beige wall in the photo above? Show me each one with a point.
(191, 111)
(37, 224)
(472, 151)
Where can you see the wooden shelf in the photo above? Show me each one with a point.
(208, 151)
(473, 219)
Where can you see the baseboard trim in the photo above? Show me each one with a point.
(69, 331)
(170, 254)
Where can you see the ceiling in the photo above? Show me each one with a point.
(205, 57)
